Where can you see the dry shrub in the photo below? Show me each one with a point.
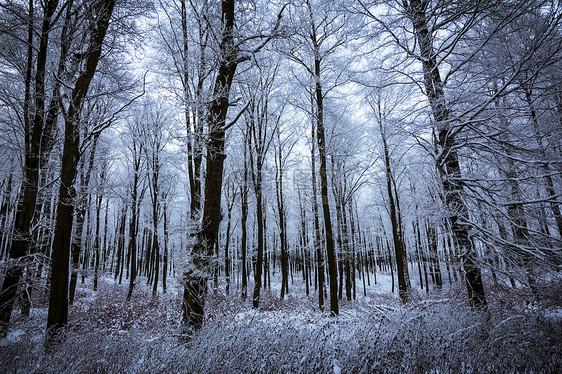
(430, 336)
(109, 334)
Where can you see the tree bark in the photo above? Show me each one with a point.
(447, 157)
(434, 266)
(321, 138)
(166, 255)
(81, 207)
(317, 241)
(282, 221)
(244, 218)
(97, 239)
(195, 279)
(227, 245)
(404, 287)
(26, 205)
(133, 224)
(57, 316)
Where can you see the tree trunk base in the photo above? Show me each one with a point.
(193, 304)
(56, 335)
(8, 297)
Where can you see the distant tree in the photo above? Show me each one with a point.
(136, 190)
(382, 107)
(261, 133)
(154, 121)
(317, 36)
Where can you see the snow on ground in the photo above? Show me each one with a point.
(435, 333)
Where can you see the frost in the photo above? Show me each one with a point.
(372, 334)
(337, 369)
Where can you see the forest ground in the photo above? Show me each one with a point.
(434, 333)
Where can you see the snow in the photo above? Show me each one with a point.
(372, 333)
(13, 336)
(555, 314)
(337, 369)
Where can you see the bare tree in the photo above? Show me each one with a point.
(58, 300)
(230, 55)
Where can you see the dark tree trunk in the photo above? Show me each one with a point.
(434, 266)
(304, 244)
(391, 265)
(257, 182)
(195, 289)
(282, 221)
(397, 239)
(120, 243)
(343, 250)
(26, 205)
(166, 255)
(97, 240)
(133, 223)
(347, 254)
(227, 245)
(417, 237)
(448, 160)
(105, 236)
(57, 317)
(321, 138)
(156, 261)
(195, 134)
(317, 240)
(81, 209)
(155, 175)
(244, 218)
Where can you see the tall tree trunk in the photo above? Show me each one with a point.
(321, 138)
(304, 243)
(347, 253)
(26, 205)
(397, 239)
(155, 175)
(81, 209)
(434, 266)
(549, 183)
(120, 241)
(342, 242)
(257, 179)
(97, 240)
(227, 245)
(317, 240)
(282, 220)
(195, 289)
(166, 255)
(57, 316)
(194, 136)
(417, 238)
(447, 160)
(105, 236)
(156, 261)
(133, 224)
(244, 218)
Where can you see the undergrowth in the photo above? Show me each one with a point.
(112, 335)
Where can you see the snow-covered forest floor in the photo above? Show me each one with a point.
(434, 334)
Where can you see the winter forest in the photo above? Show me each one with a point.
(282, 186)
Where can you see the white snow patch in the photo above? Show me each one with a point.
(336, 363)
(555, 314)
(13, 336)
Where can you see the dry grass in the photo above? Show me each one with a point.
(109, 335)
